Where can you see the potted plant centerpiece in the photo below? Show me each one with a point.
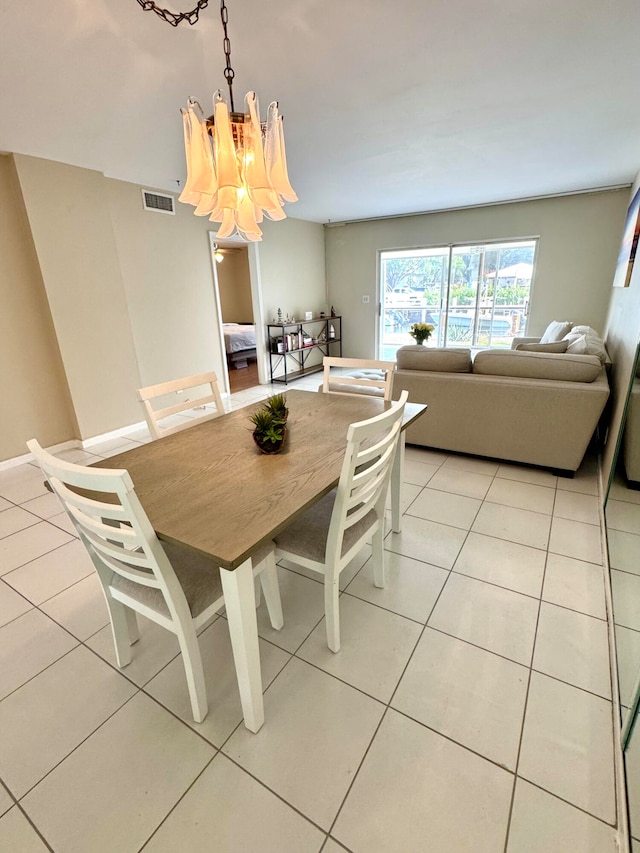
(270, 424)
(421, 332)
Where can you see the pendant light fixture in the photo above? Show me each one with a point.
(236, 164)
(217, 254)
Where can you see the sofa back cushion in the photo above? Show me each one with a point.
(538, 365)
(443, 359)
(557, 346)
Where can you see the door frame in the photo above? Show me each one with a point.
(256, 302)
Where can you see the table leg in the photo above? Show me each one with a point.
(240, 603)
(397, 475)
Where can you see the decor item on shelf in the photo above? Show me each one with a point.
(421, 332)
(308, 315)
(236, 164)
(333, 312)
(332, 331)
(217, 254)
(270, 424)
(279, 315)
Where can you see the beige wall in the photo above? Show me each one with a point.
(165, 263)
(35, 396)
(115, 297)
(292, 268)
(234, 286)
(70, 220)
(579, 239)
(292, 274)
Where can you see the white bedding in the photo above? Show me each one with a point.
(238, 337)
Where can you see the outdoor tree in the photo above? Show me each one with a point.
(416, 273)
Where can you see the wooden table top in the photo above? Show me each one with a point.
(209, 487)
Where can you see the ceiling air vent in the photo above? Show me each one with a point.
(158, 202)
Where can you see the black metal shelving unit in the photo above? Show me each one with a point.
(287, 348)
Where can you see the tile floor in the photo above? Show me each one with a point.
(469, 709)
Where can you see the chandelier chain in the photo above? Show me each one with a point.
(229, 73)
(175, 18)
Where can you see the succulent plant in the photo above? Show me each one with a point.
(269, 428)
(277, 405)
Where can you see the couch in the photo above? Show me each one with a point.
(538, 408)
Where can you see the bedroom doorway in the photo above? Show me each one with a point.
(235, 274)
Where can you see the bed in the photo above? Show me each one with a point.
(239, 343)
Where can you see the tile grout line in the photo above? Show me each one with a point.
(34, 827)
(72, 538)
(388, 705)
(524, 716)
(179, 800)
(567, 802)
(78, 745)
(272, 791)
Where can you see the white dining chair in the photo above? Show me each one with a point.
(178, 588)
(329, 534)
(365, 376)
(196, 400)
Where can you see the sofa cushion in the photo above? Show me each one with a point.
(442, 359)
(538, 365)
(556, 346)
(555, 331)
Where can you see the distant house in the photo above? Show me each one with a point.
(515, 274)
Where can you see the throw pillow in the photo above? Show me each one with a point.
(584, 339)
(577, 344)
(555, 331)
(558, 346)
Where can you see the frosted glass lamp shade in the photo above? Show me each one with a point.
(240, 174)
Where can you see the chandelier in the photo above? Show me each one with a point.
(236, 164)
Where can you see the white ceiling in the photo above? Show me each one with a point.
(390, 108)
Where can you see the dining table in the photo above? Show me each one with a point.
(210, 489)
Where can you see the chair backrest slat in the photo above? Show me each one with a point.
(139, 576)
(339, 382)
(91, 511)
(186, 405)
(366, 471)
(111, 523)
(371, 482)
(154, 416)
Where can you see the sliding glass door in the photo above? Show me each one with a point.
(474, 296)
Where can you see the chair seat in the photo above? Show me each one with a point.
(336, 385)
(307, 535)
(198, 575)
(366, 374)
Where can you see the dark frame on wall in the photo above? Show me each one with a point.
(629, 246)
